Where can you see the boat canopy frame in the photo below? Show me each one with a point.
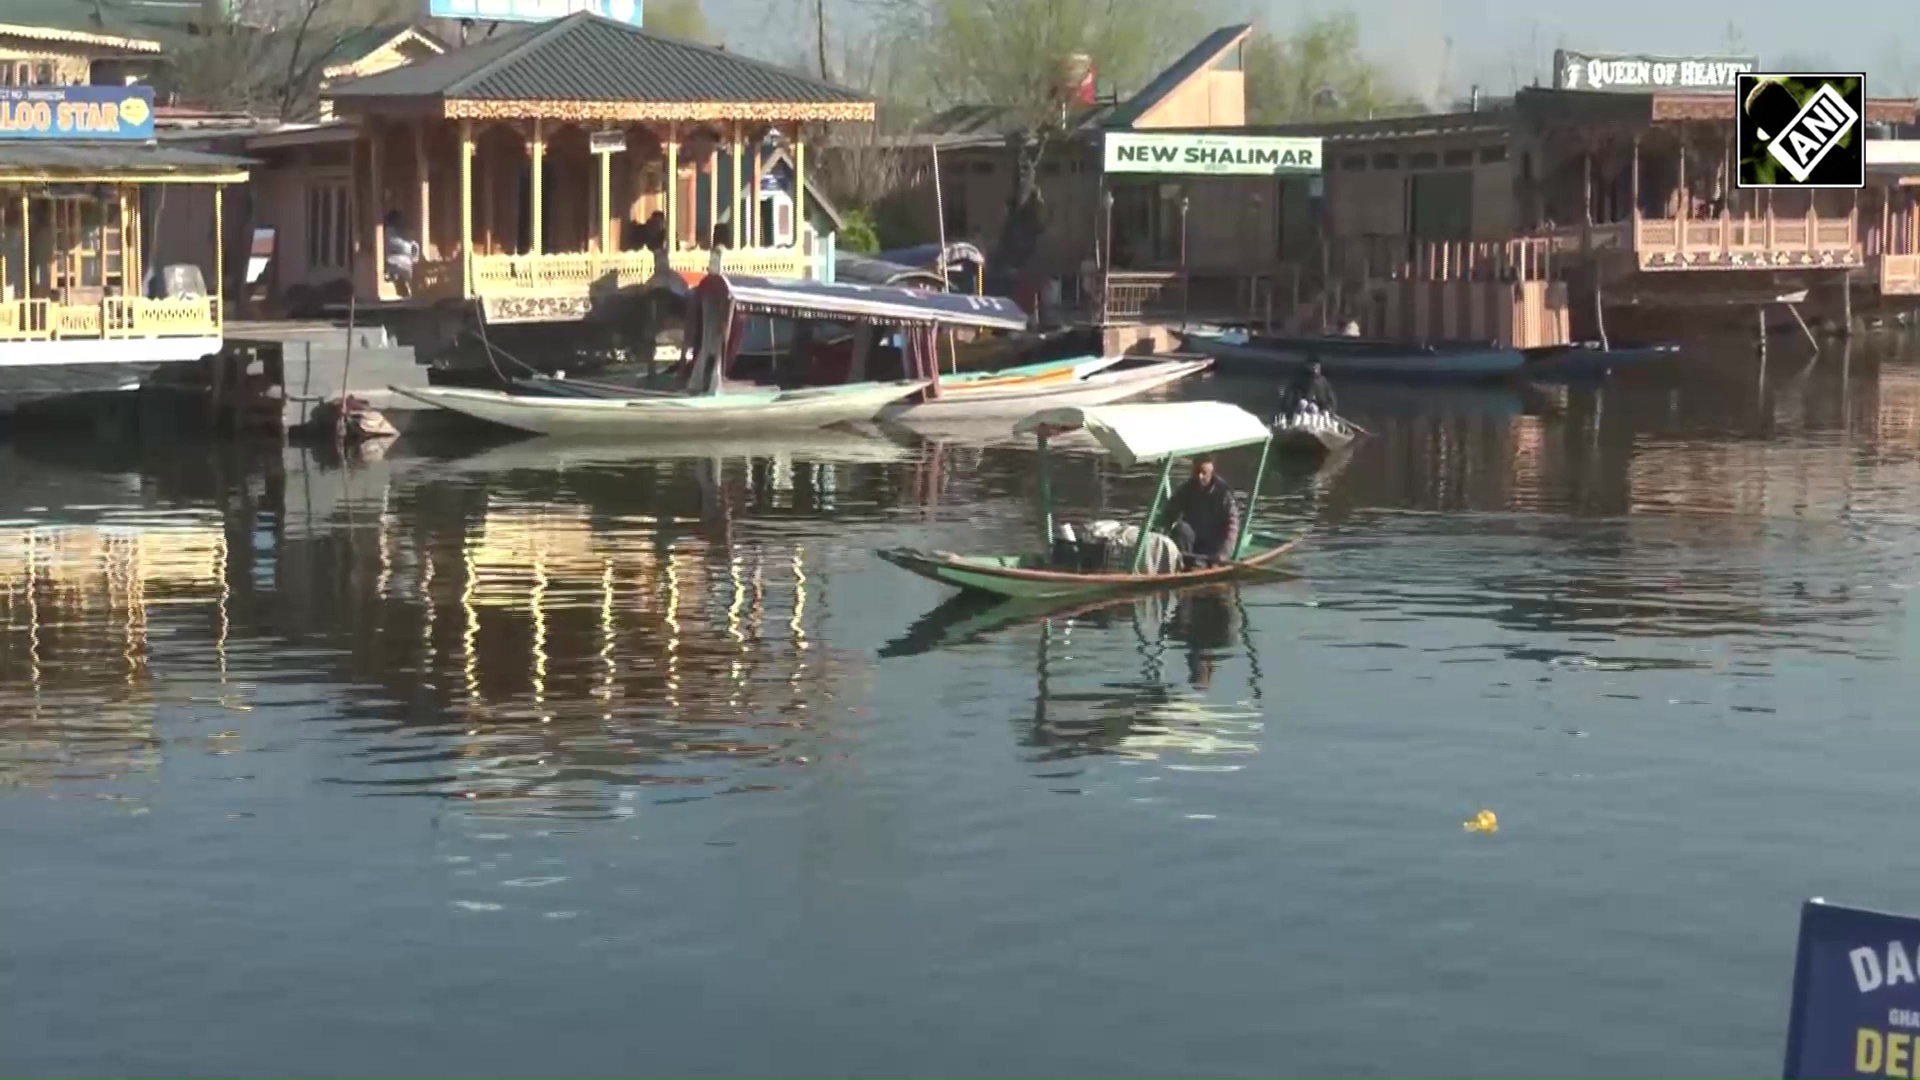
(721, 303)
(1144, 434)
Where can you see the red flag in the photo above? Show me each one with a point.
(1085, 94)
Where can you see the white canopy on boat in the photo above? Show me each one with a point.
(1139, 433)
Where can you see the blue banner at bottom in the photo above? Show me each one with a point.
(1856, 995)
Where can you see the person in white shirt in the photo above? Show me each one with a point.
(401, 253)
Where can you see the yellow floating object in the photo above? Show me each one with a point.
(1484, 821)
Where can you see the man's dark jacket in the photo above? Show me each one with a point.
(1211, 511)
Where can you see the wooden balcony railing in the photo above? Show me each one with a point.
(1403, 258)
(117, 317)
(1899, 275)
(575, 273)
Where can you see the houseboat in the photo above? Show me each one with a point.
(89, 301)
(1584, 213)
(526, 168)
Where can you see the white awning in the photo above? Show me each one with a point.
(1140, 433)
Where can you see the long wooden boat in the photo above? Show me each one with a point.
(1089, 384)
(1315, 433)
(1133, 434)
(1236, 352)
(1570, 363)
(825, 446)
(1027, 577)
(663, 414)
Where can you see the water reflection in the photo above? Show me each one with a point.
(538, 629)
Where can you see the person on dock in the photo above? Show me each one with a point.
(402, 252)
(1309, 386)
(1205, 516)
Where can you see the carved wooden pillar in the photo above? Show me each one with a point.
(376, 207)
(605, 227)
(713, 187)
(753, 196)
(673, 187)
(734, 214)
(539, 187)
(466, 207)
(424, 195)
(800, 182)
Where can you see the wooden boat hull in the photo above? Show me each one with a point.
(1358, 358)
(1011, 400)
(667, 414)
(826, 446)
(1007, 575)
(1307, 440)
(1568, 363)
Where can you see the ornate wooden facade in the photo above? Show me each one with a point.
(527, 172)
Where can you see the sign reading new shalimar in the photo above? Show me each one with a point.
(1170, 154)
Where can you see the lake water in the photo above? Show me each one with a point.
(488, 760)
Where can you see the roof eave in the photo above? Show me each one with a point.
(687, 111)
(80, 37)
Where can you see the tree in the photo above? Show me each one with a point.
(1010, 54)
(1318, 73)
(682, 19)
(268, 55)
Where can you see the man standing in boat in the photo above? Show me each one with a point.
(1308, 387)
(1205, 516)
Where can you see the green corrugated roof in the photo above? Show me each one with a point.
(162, 23)
(584, 57)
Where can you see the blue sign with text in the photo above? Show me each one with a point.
(1856, 994)
(118, 113)
(626, 11)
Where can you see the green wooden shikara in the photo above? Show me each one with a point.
(1134, 435)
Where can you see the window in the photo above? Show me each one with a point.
(329, 226)
(1354, 163)
(1386, 161)
(1457, 158)
(1426, 160)
(1491, 154)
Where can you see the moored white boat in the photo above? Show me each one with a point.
(1097, 386)
(659, 414)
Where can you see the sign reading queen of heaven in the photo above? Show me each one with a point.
(626, 11)
(1642, 74)
(1169, 154)
(1856, 995)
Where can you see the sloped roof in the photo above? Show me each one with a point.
(1175, 75)
(108, 24)
(584, 66)
(51, 160)
(363, 43)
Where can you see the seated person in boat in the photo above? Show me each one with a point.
(1307, 387)
(1205, 516)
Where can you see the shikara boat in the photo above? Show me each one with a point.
(1133, 435)
(922, 317)
(664, 413)
(1313, 432)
